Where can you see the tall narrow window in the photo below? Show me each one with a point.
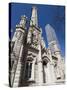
(28, 70)
(44, 71)
(30, 67)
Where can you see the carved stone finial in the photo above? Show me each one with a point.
(23, 20)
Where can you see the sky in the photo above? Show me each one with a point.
(47, 14)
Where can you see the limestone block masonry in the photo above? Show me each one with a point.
(31, 62)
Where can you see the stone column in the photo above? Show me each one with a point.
(32, 71)
(13, 72)
(60, 73)
(48, 75)
(36, 73)
(17, 52)
(40, 68)
(18, 70)
(59, 63)
(50, 78)
(52, 73)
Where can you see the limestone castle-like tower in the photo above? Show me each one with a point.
(31, 63)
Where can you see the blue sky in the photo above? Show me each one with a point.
(47, 14)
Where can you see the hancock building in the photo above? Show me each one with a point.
(31, 63)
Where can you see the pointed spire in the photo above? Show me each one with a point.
(34, 16)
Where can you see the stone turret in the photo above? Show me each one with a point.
(23, 21)
(16, 54)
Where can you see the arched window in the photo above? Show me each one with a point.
(44, 70)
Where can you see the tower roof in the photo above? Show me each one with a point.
(34, 16)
